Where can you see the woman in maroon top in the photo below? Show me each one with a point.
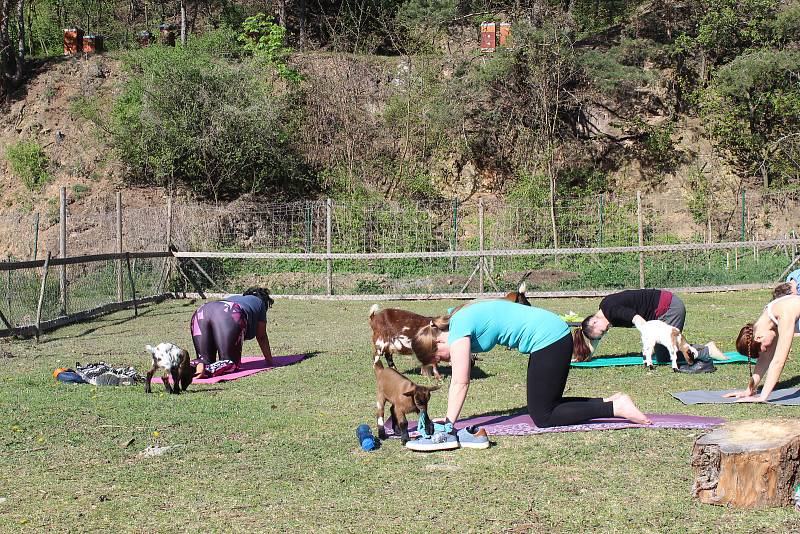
(624, 309)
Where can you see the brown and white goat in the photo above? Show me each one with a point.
(394, 331)
(175, 362)
(404, 397)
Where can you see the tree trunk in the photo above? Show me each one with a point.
(183, 24)
(748, 464)
(301, 15)
(20, 61)
(282, 13)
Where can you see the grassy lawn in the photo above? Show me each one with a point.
(277, 451)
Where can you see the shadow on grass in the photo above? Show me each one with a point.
(145, 311)
(788, 383)
(510, 412)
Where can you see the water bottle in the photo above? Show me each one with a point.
(797, 498)
(366, 439)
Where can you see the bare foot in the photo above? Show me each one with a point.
(714, 351)
(624, 407)
(613, 397)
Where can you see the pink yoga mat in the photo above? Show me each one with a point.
(520, 424)
(250, 366)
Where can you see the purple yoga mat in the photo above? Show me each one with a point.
(520, 424)
(250, 366)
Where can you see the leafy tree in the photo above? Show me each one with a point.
(265, 39)
(751, 105)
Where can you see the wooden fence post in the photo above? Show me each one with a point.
(120, 285)
(8, 285)
(62, 250)
(133, 286)
(481, 266)
(641, 238)
(328, 243)
(41, 295)
(169, 223)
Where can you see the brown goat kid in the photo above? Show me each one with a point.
(394, 331)
(404, 397)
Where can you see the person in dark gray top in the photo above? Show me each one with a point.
(223, 326)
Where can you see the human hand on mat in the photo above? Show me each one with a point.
(752, 398)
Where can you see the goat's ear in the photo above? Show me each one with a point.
(433, 388)
(149, 349)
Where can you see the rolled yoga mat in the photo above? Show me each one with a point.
(250, 366)
(781, 397)
(610, 361)
(521, 424)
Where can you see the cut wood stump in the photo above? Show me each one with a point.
(748, 464)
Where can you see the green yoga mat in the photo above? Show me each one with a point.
(733, 357)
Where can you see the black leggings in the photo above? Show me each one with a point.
(547, 377)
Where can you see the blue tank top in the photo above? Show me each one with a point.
(500, 322)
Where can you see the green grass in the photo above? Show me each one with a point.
(277, 452)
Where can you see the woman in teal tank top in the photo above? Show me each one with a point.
(479, 326)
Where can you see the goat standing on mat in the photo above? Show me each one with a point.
(658, 332)
(404, 396)
(395, 331)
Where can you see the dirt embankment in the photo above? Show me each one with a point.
(81, 161)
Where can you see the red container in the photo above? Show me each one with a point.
(505, 34)
(488, 36)
(144, 38)
(167, 34)
(92, 44)
(73, 41)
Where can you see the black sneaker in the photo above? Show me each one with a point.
(699, 366)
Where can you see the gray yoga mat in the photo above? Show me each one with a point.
(782, 397)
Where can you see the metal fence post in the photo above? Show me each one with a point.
(62, 249)
(744, 210)
(481, 266)
(309, 226)
(329, 247)
(601, 219)
(641, 237)
(454, 239)
(120, 286)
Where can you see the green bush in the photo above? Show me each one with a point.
(29, 163)
(215, 124)
(608, 72)
(752, 104)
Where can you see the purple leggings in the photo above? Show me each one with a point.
(219, 327)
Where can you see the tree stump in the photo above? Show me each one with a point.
(748, 464)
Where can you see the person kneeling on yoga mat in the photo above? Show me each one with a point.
(223, 326)
(769, 339)
(545, 337)
(624, 309)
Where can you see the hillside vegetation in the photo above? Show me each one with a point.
(394, 99)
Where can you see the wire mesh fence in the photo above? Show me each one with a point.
(370, 227)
